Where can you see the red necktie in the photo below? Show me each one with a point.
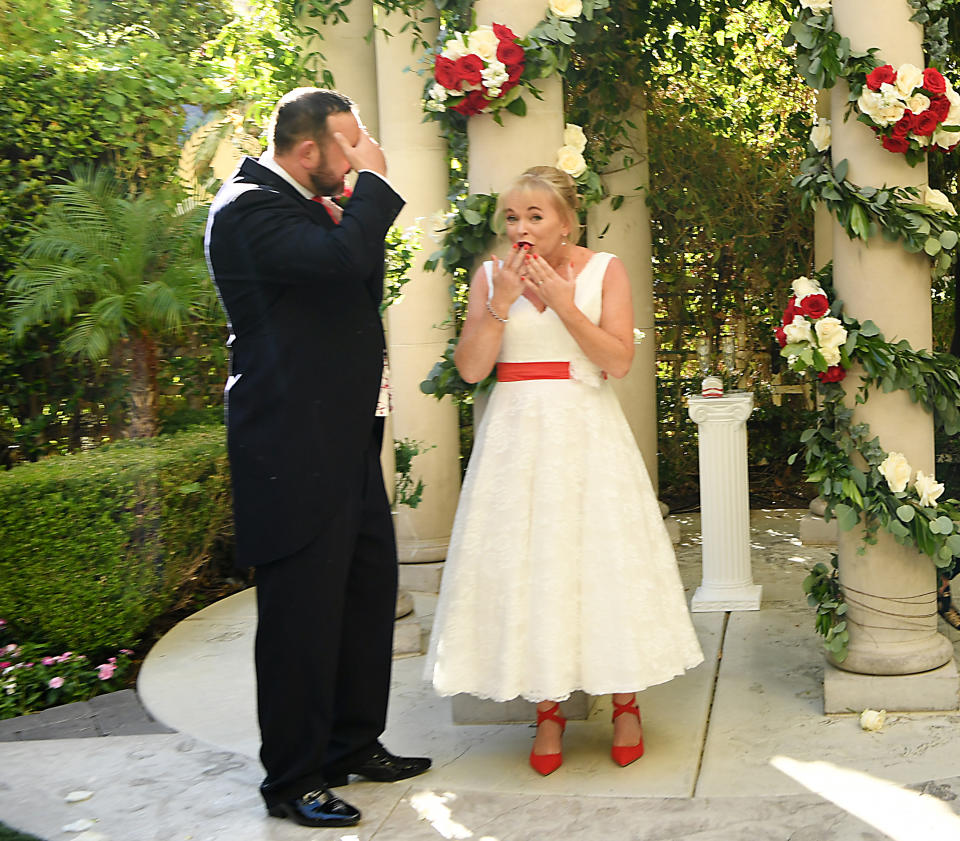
(333, 209)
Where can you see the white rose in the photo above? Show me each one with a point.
(909, 77)
(803, 286)
(830, 332)
(918, 103)
(928, 489)
(884, 111)
(936, 199)
(821, 135)
(896, 471)
(818, 6)
(455, 48)
(571, 161)
(830, 354)
(922, 139)
(573, 136)
(438, 92)
(566, 8)
(798, 330)
(946, 139)
(483, 42)
(872, 719)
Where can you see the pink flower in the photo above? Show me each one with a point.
(55, 682)
(127, 651)
(49, 661)
(3, 622)
(4, 664)
(105, 671)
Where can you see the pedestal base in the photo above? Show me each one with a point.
(815, 531)
(407, 637)
(468, 709)
(673, 529)
(846, 692)
(708, 599)
(414, 551)
(422, 578)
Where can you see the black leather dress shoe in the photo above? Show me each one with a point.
(317, 808)
(383, 767)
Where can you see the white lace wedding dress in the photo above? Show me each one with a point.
(560, 574)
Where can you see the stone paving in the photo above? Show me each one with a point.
(738, 749)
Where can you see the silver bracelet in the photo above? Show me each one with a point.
(491, 311)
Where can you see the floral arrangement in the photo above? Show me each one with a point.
(910, 109)
(475, 73)
(809, 337)
(32, 680)
(570, 156)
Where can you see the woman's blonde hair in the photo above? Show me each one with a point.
(557, 184)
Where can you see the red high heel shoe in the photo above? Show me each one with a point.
(625, 754)
(547, 763)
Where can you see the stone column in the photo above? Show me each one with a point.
(350, 57)
(416, 153)
(626, 232)
(890, 590)
(724, 503)
(500, 153)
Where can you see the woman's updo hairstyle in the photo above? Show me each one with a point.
(557, 184)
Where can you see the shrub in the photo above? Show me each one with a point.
(94, 545)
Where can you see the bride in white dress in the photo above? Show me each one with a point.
(560, 574)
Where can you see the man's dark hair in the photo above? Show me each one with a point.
(302, 114)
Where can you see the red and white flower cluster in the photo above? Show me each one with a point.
(475, 71)
(910, 108)
(810, 338)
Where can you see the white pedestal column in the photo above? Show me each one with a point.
(724, 504)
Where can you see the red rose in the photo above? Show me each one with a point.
(503, 33)
(790, 311)
(925, 123)
(473, 103)
(514, 72)
(895, 144)
(933, 81)
(904, 125)
(510, 53)
(781, 337)
(815, 305)
(833, 374)
(445, 72)
(885, 74)
(469, 69)
(940, 106)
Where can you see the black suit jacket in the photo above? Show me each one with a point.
(301, 296)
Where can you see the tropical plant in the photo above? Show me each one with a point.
(121, 271)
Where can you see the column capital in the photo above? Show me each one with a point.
(731, 408)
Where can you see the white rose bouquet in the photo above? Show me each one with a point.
(910, 109)
(809, 337)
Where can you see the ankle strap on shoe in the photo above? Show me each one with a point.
(629, 707)
(553, 714)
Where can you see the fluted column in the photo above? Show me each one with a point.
(724, 503)
(417, 156)
(890, 589)
(626, 233)
(500, 153)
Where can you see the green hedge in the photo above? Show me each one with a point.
(93, 546)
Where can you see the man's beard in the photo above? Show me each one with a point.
(325, 185)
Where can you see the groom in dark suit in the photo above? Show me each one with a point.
(301, 287)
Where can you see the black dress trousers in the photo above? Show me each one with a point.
(324, 641)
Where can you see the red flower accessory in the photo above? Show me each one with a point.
(895, 144)
(510, 53)
(833, 374)
(933, 81)
(940, 106)
(444, 71)
(925, 123)
(814, 306)
(881, 75)
(469, 69)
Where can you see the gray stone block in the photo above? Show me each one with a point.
(122, 714)
(423, 578)
(468, 709)
(847, 692)
(65, 712)
(10, 729)
(77, 728)
(406, 637)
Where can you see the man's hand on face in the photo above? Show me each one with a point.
(367, 154)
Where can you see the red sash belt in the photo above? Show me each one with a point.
(512, 372)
